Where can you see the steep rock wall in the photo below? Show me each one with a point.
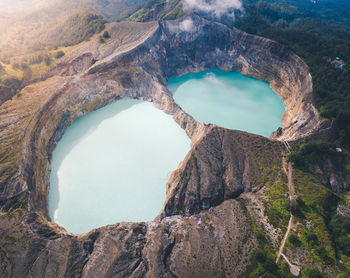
(201, 227)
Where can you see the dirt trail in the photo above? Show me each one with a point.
(295, 270)
(290, 182)
(289, 172)
(290, 224)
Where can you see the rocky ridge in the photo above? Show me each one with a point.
(205, 227)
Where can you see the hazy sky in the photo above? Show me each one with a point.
(9, 6)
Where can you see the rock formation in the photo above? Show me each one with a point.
(205, 227)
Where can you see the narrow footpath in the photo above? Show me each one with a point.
(289, 172)
(288, 169)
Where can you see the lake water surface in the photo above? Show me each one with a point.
(229, 99)
(112, 165)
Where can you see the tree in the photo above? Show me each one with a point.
(311, 273)
(59, 54)
(106, 35)
(47, 60)
(101, 39)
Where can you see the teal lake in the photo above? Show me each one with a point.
(230, 100)
(112, 165)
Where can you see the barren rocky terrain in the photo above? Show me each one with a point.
(211, 221)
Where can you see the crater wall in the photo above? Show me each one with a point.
(203, 206)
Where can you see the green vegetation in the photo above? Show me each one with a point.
(340, 228)
(9, 86)
(24, 58)
(159, 9)
(311, 153)
(314, 207)
(113, 10)
(325, 234)
(293, 240)
(318, 33)
(101, 39)
(277, 207)
(106, 35)
(311, 273)
(265, 264)
(38, 33)
(32, 40)
(23, 69)
(263, 258)
(59, 54)
(344, 275)
(27, 31)
(10, 82)
(310, 239)
(75, 28)
(308, 155)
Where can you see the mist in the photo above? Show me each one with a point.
(23, 6)
(216, 8)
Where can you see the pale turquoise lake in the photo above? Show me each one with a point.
(230, 100)
(112, 165)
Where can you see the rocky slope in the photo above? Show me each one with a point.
(210, 222)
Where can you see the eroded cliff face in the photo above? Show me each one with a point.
(205, 228)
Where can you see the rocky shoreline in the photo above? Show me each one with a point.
(205, 227)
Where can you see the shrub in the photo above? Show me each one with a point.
(311, 273)
(296, 207)
(10, 82)
(15, 65)
(106, 35)
(47, 60)
(268, 275)
(27, 74)
(294, 240)
(340, 227)
(323, 255)
(344, 275)
(270, 265)
(23, 66)
(37, 59)
(59, 54)
(260, 255)
(101, 40)
(311, 153)
(311, 238)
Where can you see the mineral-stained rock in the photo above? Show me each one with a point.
(222, 166)
(202, 231)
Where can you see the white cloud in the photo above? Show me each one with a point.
(214, 7)
(186, 25)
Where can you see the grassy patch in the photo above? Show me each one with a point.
(293, 240)
(313, 208)
(340, 228)
(311, 273)
(311, 153)
(277, 206)
(262, 262)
